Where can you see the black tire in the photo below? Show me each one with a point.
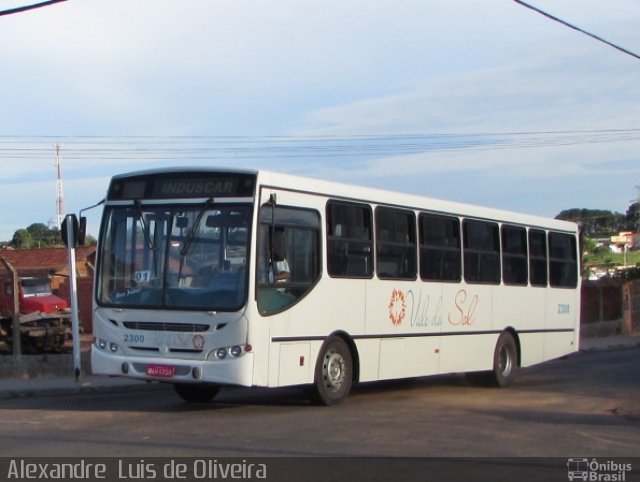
(334, 372)
(196, 392)
(505, 361)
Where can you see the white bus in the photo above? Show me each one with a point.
(207, 278)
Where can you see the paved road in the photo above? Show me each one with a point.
(586, 405)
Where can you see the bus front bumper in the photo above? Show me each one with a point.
(234, 371)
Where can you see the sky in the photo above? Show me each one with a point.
(477, 101)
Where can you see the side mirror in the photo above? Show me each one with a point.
(82, 231)
(73, 233)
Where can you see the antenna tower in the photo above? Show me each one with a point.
(59, 192)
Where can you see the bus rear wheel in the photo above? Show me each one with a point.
(505, 361)
(334, 372)
(196, 392)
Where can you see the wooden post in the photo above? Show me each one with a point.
(17, 348)
(631, 307)
(600, 305)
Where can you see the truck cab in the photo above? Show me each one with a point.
(44, 317)
(35, 296)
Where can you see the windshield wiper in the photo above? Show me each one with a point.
(191, 237)
(143, 225)
(192, 234)
(147, 239)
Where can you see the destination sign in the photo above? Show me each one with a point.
(196, 187)
(182, 185)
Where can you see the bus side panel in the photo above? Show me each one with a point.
(524, 309)
(467, 341)
(333, 305)
(467, 353)
(559, 344)
(295, 367)
(369, 353)
(563, 314)
(407, 318)
(408, 357)
(531, 348)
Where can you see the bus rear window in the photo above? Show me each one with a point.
(563, 260)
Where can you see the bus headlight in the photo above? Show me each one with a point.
(113, 347)
(225, 352)
(102, 344)
(221, 354)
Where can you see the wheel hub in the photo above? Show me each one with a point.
(334, 367)
(505, 361)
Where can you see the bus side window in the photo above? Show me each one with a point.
(537, 258)
(288, 256)
(396, 256)
(440, 254)
(514, 255)
(349, 240)
(481, 252)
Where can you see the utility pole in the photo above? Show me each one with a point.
(59, 193)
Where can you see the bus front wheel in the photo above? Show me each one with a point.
(196, 392)
(333, 373)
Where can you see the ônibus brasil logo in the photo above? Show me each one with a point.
(596, 471)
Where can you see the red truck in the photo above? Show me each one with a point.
(45, 319)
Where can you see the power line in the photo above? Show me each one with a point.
(186, 148)
(567, 24)
(25, 8)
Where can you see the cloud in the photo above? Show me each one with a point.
(179, 67)
(459, 71)
(526, 96)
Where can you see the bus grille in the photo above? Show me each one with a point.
(155, 326)
(171, 350)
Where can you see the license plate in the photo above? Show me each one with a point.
(161, 371)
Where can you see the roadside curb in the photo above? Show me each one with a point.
(50, 375)
(52, 387)
(592, 344)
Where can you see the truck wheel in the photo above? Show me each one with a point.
(334, 372)
(196, 392)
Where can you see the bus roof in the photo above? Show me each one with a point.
(399, 199)
(354, 192)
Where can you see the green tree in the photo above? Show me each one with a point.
(90, 241)
(22, 239)
(633, 217)
(590, 246)
(37, 235)
(595, 222)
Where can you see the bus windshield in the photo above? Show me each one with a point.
(176, 257)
